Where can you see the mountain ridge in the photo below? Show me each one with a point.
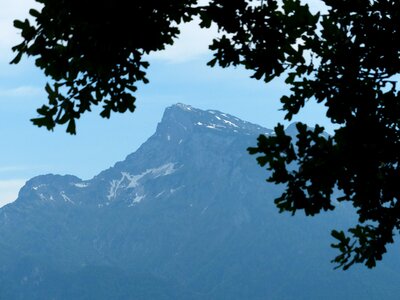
(190, 219)
(179, 122)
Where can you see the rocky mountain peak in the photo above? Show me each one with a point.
(182, 119)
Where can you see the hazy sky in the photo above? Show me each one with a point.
(177, 75)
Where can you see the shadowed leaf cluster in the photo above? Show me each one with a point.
(93, 52)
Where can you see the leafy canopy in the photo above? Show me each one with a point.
(346, 59)
(93, 51)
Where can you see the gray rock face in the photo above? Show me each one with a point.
(187, 216)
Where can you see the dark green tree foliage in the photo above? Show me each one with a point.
(346, 59)
(353, 58)
(93, 51)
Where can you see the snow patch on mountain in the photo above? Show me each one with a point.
(115, 184)
(184, 106)
(66, 198)
(230, 123)
(173, 190)
(217, 124)
(159, 194)
(129, 181)
(137, 199)
(38, 187)
(81, 184)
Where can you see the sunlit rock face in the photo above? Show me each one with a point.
(187, 216)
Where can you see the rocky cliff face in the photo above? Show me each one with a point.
(187, 216)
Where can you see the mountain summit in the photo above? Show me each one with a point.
(186, 216)
(187, 118)
(182, 127)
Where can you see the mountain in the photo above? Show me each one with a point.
(187, 216)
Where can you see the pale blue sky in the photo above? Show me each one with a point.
(178, 75)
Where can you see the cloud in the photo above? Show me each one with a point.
(20, 91)
(9, 190)
(7, 169)
(317, 6)
(192, 43)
